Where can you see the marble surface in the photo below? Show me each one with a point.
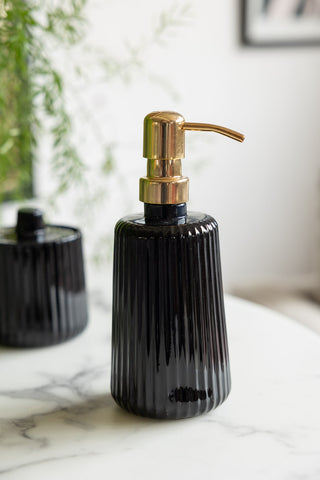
(58, 420)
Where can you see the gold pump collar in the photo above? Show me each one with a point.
(163, 146)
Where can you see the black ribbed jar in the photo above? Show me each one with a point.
(169, 342)
(42, 283)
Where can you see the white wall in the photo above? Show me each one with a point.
(264, 193)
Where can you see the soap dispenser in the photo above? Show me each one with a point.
(169, 341)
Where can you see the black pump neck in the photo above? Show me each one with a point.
(165, 214)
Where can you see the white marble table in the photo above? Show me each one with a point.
(58, 420)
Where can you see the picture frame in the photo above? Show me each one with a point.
(280, 23)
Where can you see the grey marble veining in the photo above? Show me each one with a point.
(57, 417)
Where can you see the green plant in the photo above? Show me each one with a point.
(32, 90)
(33, 94)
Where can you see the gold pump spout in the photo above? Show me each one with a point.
(208, 127)
(164, 147)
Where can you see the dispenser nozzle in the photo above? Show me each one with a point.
(208, 127)
(163, 146)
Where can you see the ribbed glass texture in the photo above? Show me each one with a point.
(169, 343)
(42, 292)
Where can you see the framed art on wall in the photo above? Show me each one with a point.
(281, 22)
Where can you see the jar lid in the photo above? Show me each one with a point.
(31, 228)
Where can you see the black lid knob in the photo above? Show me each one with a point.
(30, 223)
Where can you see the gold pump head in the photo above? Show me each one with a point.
(163, 146)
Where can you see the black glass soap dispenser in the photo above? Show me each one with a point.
(169, 342)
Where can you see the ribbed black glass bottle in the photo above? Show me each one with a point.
(169, 343)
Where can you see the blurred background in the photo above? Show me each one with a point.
(252, 66)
